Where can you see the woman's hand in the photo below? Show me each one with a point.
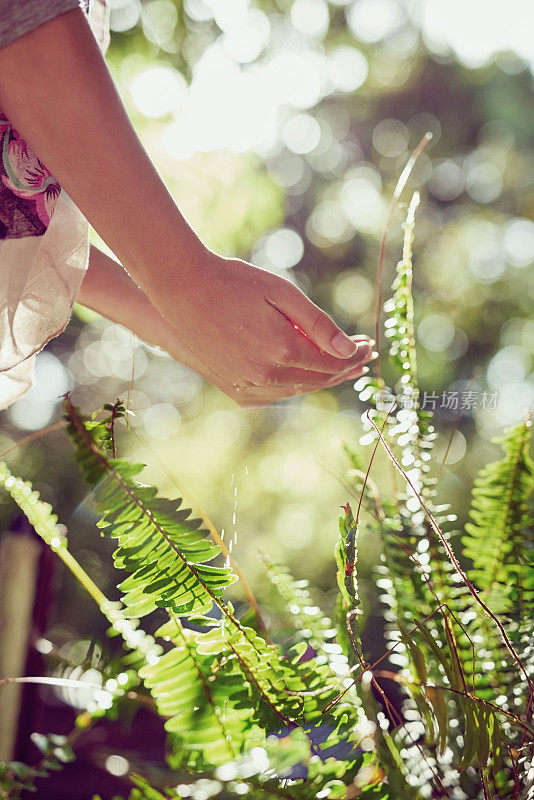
(254, 334)
(234, 324)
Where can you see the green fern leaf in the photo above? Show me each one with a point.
(500, 538)
(161, 545)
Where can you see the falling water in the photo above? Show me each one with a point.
(234, 513)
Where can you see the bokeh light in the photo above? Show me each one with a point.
(37, 407)
(518, 242)
(372, 20)
(158, 90)
(348, 68)
(310, 17)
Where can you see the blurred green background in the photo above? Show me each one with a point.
(281, 128)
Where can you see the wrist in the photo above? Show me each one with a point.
(171, 263)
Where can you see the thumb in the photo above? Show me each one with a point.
(316, 325)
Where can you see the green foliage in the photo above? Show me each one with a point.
(206, 709)
(500, 543)
(16, 777)
(311, 716)
(224, 690)
(461, 704)
(166, 551)
(305, 619)
(500, 539)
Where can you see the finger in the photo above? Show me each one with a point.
(296, 382)
(315, 324)
(304, 355)
(351, 375)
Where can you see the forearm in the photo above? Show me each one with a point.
(57, 91)
(109, 290)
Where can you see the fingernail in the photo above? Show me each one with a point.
(372, 342)
(374, 354)
(364, 370)
(343, 345)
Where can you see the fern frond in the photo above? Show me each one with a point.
(280, 694)
(417, 577)
(500, 539)
(307, 620)
(181, 680)
(317, 632)
(411, 552)
(164, 549)
(207, 708)
(500, 542)
(270, 773)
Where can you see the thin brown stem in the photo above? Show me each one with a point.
(366, 478)
(371, 667)
(395, 717)
(454, 561)
(32, 437)
(394, 676)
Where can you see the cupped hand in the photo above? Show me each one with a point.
(254, 334)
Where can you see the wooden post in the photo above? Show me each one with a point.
(19, 555)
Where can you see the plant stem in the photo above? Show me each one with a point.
(80, 574)
(401, 183)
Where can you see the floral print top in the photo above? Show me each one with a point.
(28, 192)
